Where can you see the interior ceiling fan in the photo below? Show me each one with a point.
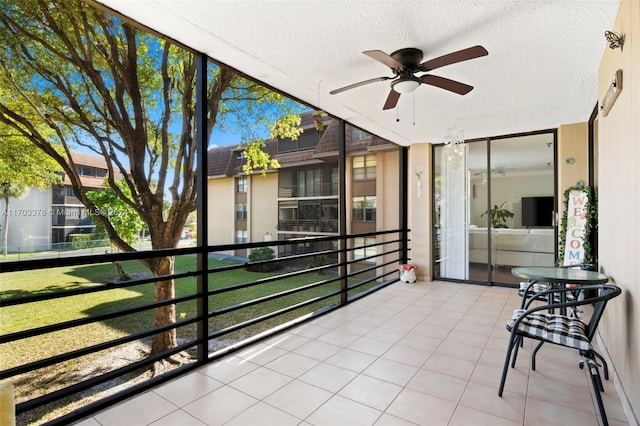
(405, 63)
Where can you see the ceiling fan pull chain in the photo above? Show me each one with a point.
(414, 108)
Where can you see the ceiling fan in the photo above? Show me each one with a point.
(405, 63)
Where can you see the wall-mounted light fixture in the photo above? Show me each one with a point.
(615, 40)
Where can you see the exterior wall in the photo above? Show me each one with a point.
(420, 209)
(573, 142)
(387, 187)
(262, 206)
(29, 221)
(619, 204)
(221, 209)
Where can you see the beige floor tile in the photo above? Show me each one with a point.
(370, 346)
(391, 371)
(418, 341)
(456, 367)
(343, 411)
(351, 360)
(459, 350)
(262, 353)
(141, 410)
(188, 388)
(338, 338)
(421, 409)
(437, 384)
(545, 413)
(264, 415)
(220, 406)
(260, 382)
(180, 418)
(328, 377)
(389, 420)
(292, 364)
(574, 396)
(471, 338)
(317, 350)
(288, 341)
(517, 379)
(385, 333)
(228, 369)
(370, 391)
(465, 416)
(356, 327)
(407, 355)
(298, 398)
(485, 398)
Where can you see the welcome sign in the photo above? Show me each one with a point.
(576, 232)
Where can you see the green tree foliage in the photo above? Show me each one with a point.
(96, 82)
(123, 218)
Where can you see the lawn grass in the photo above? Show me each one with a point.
(28, 316)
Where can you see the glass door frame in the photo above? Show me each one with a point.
(436, 232)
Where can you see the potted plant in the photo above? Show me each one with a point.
(499, 216)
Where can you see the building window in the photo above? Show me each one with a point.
(364, 208)
(360, 251)
(364, 167)
(241, 236)
(241, 211)
(310, 183)
(241, 184)
(239, 158)
(358, 134)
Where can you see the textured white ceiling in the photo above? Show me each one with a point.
(541, 70)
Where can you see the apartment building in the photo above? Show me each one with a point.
(42, 219)
(301, 198)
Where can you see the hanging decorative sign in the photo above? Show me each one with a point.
(577, 225)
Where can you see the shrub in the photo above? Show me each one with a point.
(261, 254)
(82, 241)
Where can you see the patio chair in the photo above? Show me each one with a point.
(540, 322)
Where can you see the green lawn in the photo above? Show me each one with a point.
(24, 317)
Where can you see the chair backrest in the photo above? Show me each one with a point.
(606, 292)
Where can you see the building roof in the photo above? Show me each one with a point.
(222, 161)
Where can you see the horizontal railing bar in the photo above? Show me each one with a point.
(109, 400)
(88, 320)
(22, 265)
(273, 296)
(46, 362)
(86, 384)
(273, 314)
(13, 301)
(267, 280)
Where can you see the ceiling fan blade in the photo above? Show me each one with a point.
(392, 100)
(362, 83)
(380, 56)
(446, 84)
(453, 57)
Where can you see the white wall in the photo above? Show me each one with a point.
(619, 203)
(29, 221)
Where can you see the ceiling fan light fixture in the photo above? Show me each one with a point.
(405, 86)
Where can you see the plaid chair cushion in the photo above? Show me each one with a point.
(554, 328)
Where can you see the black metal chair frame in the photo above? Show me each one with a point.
(589, 357)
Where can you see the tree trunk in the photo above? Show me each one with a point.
(164, 315)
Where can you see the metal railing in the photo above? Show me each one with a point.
(233, 309)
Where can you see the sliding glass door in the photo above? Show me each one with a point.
(495, 204)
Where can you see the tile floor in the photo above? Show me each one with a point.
(410, 354)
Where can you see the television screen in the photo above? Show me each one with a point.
(537, 211)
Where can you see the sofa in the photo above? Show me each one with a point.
(513, 247)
